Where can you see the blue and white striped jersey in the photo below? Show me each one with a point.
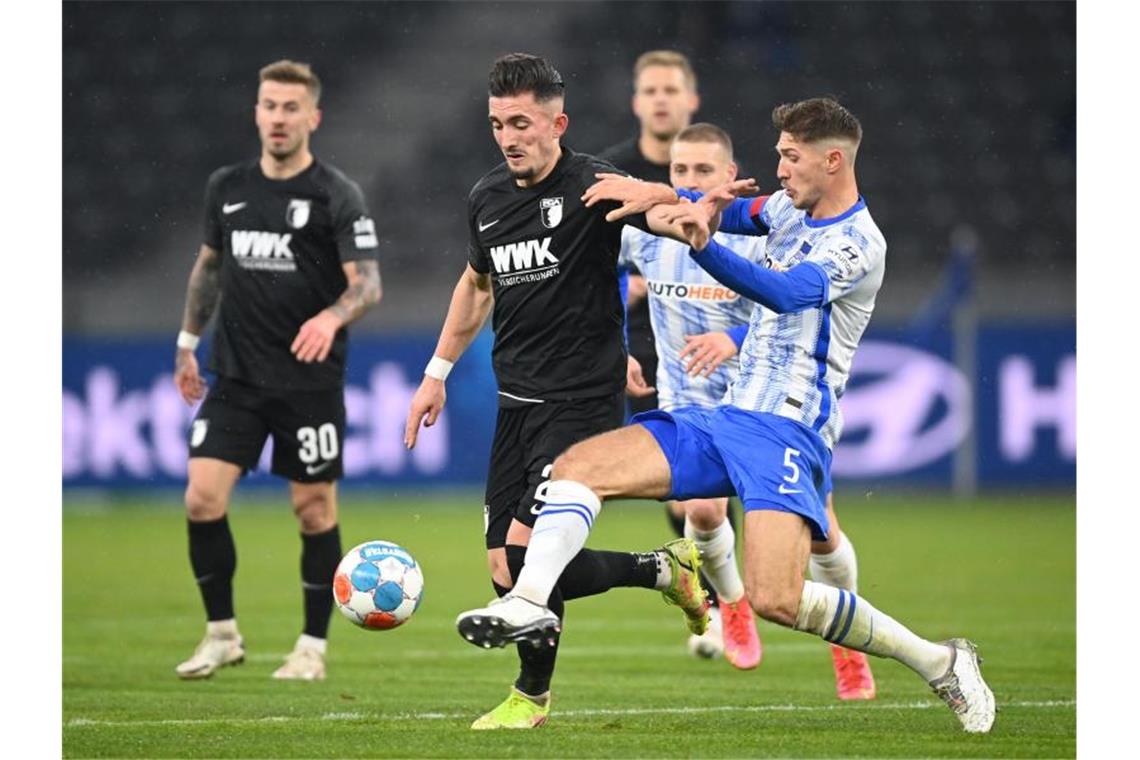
(686, 300)
(796, 365)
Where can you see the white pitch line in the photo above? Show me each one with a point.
(356, 716)
(460, 652)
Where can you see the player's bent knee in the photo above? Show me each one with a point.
(315, 511)
(775, 608)
(706, 514)
(574, 464)
(204, 504)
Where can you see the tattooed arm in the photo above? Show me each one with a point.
(315, 338)
(201, 299)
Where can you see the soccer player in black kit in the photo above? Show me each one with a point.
(289, 259)
(548, 267)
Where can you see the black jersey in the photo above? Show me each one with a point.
(283, 244)
(627, 156)
(553, 264)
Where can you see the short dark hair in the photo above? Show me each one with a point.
(706, 133)
(665, 58)
(293, 72)
(817, 119)
(516, 73)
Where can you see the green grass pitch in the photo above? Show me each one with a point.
(999, 570)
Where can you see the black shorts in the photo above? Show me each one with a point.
(527, 440)
(307, 429)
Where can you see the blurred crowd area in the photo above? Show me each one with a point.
(969, 113)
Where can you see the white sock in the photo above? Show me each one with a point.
(664, 571)
(222, 629)
(839, 569)
(842, 617)
(559, 533)
(305, 641)
(718, 559)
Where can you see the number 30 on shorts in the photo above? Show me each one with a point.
(318, 443)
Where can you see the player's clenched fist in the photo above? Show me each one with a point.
(191, 385)
(315, 338)
(427, 403)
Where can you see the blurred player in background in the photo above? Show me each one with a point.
(290, 254)
(691, 313)
(696, 370)
(664, 100)
(770, 441)
(545, 268)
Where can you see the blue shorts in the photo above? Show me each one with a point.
(769, 461)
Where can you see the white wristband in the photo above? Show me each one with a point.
(187, 340)
(438, 368)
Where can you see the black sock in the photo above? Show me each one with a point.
(675, 522)
(320, 554)
(213, 558)
(593, 572)
(536, 664)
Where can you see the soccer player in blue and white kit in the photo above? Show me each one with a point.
(693, 315)
(770, 441)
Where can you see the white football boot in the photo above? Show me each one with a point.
(509, 619)
(963, 689)
(304, 663)
(212, 653)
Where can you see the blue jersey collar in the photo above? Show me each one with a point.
(859, 206)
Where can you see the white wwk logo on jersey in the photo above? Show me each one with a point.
(522, 257)
(254, 249)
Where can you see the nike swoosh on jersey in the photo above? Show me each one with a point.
(229, 208)
(784, 489)
(488, 226)
(314, 470)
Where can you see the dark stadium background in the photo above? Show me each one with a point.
(969, 112)
(955, 477)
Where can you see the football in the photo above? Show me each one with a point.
(378, 585)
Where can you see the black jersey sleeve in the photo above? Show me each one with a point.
(212, 233)
(353, 227)
(475, 255)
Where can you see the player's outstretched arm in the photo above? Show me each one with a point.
(738, 216)
(201, 299)
(802, 287)
(635, 196)
(315, 339)
(471, 302)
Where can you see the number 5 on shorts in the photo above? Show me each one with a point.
(794, 477)
(788, 454)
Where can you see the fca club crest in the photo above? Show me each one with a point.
(551, 212)
(297, 215)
